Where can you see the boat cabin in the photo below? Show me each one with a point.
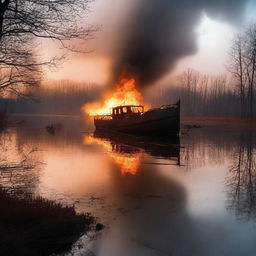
(128, 109)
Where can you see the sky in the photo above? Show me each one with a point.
(156, 40)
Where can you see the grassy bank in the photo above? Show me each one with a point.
(35, 226)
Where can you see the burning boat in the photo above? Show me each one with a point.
(128, 113)
(133, 119)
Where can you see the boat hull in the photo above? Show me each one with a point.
(159, 121)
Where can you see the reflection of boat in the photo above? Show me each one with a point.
(168, 148)
(3, 120)
(133, 119)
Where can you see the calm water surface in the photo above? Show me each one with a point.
(193, 196)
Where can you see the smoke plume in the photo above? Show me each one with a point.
(160, 32)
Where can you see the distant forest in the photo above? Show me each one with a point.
(201, 95)
(55, 97)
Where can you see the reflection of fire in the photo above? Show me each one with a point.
(125, 93)
(128, 164)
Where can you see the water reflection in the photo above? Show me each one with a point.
(128, 163)
(19, 165)
(156, 197)
(151, 208)
(127, 150)
(242, 178)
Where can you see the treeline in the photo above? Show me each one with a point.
(202, 95)
(53, 97)
(207, 95)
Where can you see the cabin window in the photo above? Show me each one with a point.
(136, 110)
(127, 109)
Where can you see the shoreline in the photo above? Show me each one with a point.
(217, 121)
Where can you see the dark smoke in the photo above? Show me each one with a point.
(160, 32)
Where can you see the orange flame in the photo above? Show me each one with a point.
(125, 93)
(127, 163)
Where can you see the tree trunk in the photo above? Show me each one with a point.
(3, 7)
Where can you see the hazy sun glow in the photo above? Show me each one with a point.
(91, 69)
(213, 43)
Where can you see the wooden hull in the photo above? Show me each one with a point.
(159, 121)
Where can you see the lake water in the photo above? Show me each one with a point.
(195, 195)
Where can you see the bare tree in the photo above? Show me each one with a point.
(241, 180)
(251, 65)
(204, 90)
(204, 94)
(189, 80)
(23, 21)
(237, 68)
(243, 68)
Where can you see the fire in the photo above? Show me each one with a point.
(127, 163)
(125, 93)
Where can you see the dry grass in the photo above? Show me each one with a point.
(35, 226)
